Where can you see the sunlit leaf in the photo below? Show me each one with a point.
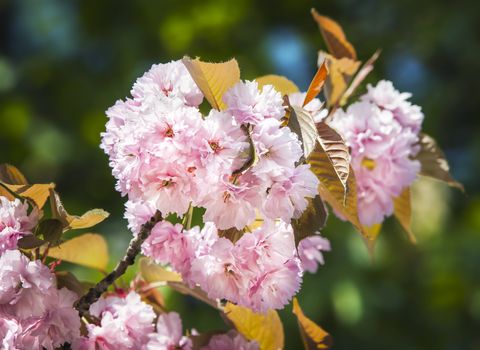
(313, 336)
(37, 193)
(213, 79)
(88, 250)
(313, 219)
(332, 193)
(360, 77)
(152, 272)
(281, 84)
(266, 329)
(336, 149)
(334, 37)
(11, 175)
(89, 219)
(434, 163)
(330, 161)
(302, 123)
(403, 212)
(316, 84)
(341, 71)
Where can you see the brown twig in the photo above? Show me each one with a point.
(83, 304)
(252, 159)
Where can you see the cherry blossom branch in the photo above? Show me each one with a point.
(83, 304)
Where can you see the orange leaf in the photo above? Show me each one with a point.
(37, 193)
(334, 37)
(11, 175)
(316, 84)
(313, 336)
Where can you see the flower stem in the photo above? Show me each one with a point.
(83, 304)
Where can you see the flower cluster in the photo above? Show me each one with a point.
(237, 164)
(230, 340)
(260, 271)
(166, 156)
(15, 222)
(382, 132)
(34, 314)
(125, 322)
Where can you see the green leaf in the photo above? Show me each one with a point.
(313, 336)
(88, 250)
(266, 329)
(281, 84)
(302, 124)
(51, 230)
(313, 219)
(213, 79)
(152, 272)
(434, 163)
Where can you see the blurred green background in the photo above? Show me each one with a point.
(62, 63)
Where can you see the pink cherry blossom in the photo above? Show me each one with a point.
(250, 105)
(268, 257)
(125, 324)
(277, 148)
(168, 80)
(233, 204)
(168, 245)
(232, 340)
(10, 330)
(169, 334)
(218, 273)
(310, 252)
(138, 213)
(37, 314)
(382, 132)
(387, 97)
(15, 222)
(286, 199)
